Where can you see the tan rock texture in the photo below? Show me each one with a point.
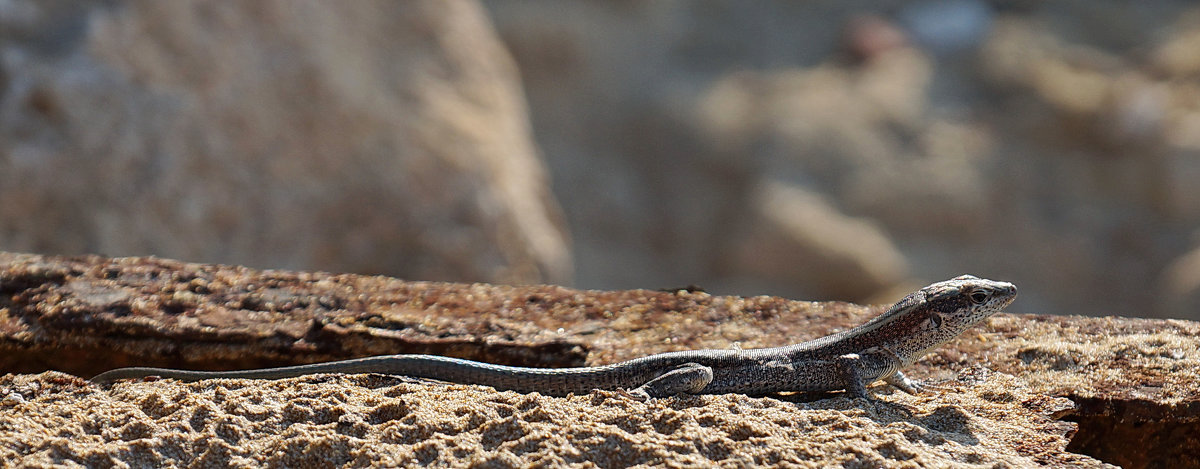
(370, 137)
(373, 420)
(1021, 391)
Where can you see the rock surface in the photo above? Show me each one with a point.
(1022, 390)
(372, 420)
(369, 137)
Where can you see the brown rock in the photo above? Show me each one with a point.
(85, 314)
(370, 137)
(373, 420)
(1024, 390)
(1135, 382)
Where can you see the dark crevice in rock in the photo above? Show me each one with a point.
(81, 361)
(1137, 434)
(19, 281)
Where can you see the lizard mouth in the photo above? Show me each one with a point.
(1003, 294)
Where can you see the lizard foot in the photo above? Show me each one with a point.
(927, 387)
(912, 386)
(638, 394)
(688, 378)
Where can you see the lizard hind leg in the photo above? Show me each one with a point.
(690, 378)
(851, 379)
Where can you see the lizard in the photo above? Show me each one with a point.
(848, 360)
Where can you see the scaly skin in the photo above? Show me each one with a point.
(848, 360)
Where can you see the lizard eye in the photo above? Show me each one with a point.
(936, 319)
(978, 296)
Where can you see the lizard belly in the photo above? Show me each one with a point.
(775, 376)
(782, 375)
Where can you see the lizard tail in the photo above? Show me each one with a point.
(555, 381)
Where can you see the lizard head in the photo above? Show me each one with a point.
(939, 312)
(963, 301)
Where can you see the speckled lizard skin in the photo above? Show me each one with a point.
(849, 360)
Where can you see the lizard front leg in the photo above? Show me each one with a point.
(856, 371)
(911, 386)
(896, 378)
(688, 378)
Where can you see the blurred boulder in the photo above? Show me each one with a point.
(1056, 146)
(1179, 295)
(797, 239)
(370, 137)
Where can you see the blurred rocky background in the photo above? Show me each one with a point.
(369, 137)
(846, 150)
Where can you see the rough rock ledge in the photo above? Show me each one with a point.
(1022, 390)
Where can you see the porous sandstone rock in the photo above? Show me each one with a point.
(1019, 391)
